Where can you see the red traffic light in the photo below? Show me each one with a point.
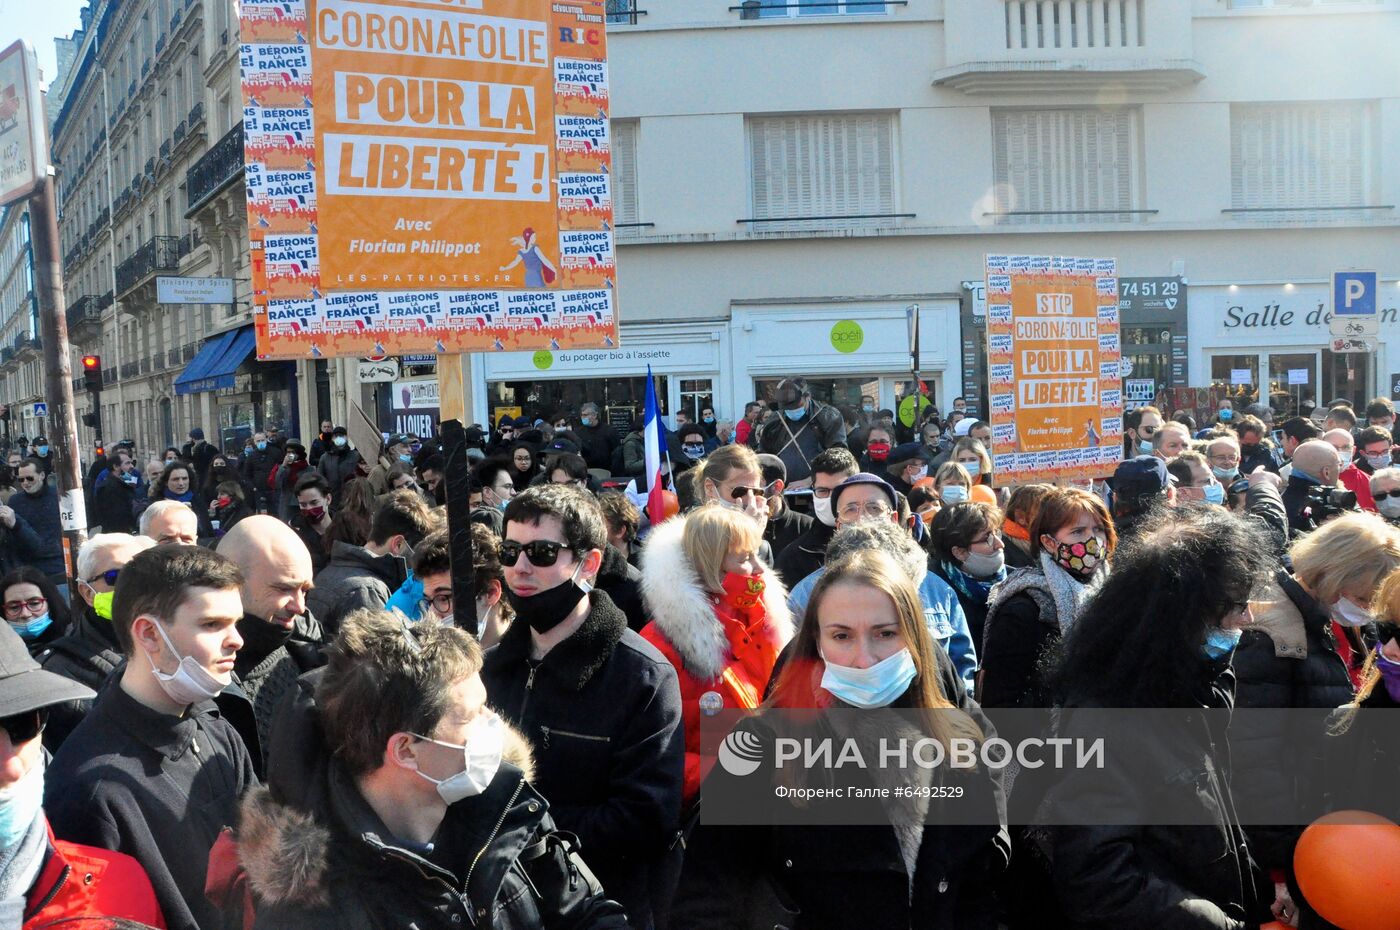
(92, 372)
(92, 361)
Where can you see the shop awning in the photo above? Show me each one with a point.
(214, 365)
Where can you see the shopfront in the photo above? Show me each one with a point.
(847, 351)
(1269, 343)
(684, 357)
(250, 395)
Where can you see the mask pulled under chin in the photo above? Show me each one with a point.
(544, 610)
(190, 683)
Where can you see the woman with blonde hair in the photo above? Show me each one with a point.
(1306, 648)
(972, 456)
(731, 476)
(718, 614)
(952, 484)
(862, 647)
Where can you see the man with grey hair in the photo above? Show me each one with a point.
(1385, 488)
(879, 528)
(597, 439)
(170, 523)
(89, 651)
(1350, 476)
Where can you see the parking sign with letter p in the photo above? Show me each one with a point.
(1354, 293)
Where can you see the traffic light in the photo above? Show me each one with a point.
(92, 372)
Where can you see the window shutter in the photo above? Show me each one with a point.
(624, 172)
(1062, 160)
(1301, 155)
(839, 165)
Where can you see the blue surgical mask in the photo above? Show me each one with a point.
(867, 408)
(338, 440)
(876, 686)
(262, 446)
(1223, 473)
(953, 494)
(1144, 447)
(972, 468)
(1227, 414)
(797, 414)
(405, 457)
(1379, 461)
(708, 419)
(20, 803)
(1220, 642)
(33, 628)
(42, 450)
(1215, 494)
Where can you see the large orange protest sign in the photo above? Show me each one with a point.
(1053, 363)
(428, 176)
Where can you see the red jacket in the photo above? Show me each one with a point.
(722, 644)
(1358, 482)
(83, 881)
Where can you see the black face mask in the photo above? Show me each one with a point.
(547, 609)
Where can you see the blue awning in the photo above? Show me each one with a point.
(214, 365)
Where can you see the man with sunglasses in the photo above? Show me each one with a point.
(34, 519)
(89, 651)
(155, 770)
(44, 880)
(1139, 426)
(1385, 488)
(599, 703)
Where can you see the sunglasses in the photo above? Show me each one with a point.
(1394, 492)
(542, 553)
(109, 576)
(742, 491)
(24, 727)
(29, 480)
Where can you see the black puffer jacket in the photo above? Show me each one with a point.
(1110, 877)
(622, 582)
(317, 856)
(1287, 658)
(805, 554)
(354, 578)
(87, 654)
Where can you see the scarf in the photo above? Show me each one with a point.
(1068, 592)
(968, 586)
(186, 498)
(1015, 530)
(19, 868)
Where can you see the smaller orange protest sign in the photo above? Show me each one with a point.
(1053, 357)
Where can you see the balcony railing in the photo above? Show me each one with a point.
(189, 241)
(175, 18)
(145, 364)
(217, 169)
(7, 355)
(172, 358)
(187, 352)
(105, 301)
(82, 311)
(180, 132)
(165, 148)
(131, 91)
(150, 171)
(109, 375)
(157, 254)
(160, 44)
(129, 369)
(196, 115)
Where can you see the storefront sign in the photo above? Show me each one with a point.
(1272, 314)
(1155, 297)
(1053, 358)
(1395, 385)
(381, 371)
(23, 145)
(415, 407)
(171, 290)
(427, 179)
(846, 336)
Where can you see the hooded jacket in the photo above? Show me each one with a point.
(602, 711)
(713, 651)
(317, 856)
(354, 578)
(338, 463)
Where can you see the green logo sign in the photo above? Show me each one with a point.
(847, 336)
(906, 408)
(543, 359)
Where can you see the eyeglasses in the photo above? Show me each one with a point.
(109, 576)
(13, 608)
(442, 603)
(542, 553)
(24, 727)
(742, 491)
(822, 493)
(855, 509)
(1225, 459)
(991, 539)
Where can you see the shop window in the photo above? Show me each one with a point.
(1069, 165)
(696, 395)
(838, 392)
(1235, 377)
(822, 166)
(620, 399)
(1292, 382)
(1302, 155)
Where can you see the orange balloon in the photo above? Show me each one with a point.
(1348, 868)
(670, 504)
(1274, 925)
(983, 495)
(924, 483)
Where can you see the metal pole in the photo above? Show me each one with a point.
(457, 475)
(913, 312)
(58, 372)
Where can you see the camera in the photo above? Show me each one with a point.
(1327, 503)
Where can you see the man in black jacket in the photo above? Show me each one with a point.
(154, 742)
(89, 651)
(596, 438)
(369, 757)
(799, 429)
(784, 524)
(807, 553)
(116, 494)
(257, 466)
(600, 703)
(280, 640)
(36, 505)
(198, 453)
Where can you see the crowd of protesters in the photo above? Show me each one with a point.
(259, 705)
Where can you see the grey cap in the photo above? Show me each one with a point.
(24, 686)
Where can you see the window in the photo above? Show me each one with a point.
(696, 395)
(768, 9)
(624, 176)
(1301, 155)
(1065, 165)
(839, 166)
(622, 12)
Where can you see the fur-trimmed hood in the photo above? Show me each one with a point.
(683, 610)
(286, 850)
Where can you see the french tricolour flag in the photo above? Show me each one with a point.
(654, 435)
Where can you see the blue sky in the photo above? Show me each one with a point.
(39, 21)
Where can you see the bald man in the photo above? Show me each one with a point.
(1316, 463)
(280, 639)
(1351, 477)
(170, 523)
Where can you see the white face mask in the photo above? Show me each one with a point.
(981, 565)
(1389, 508)
(876, 686)
(919, 474)
(485, 745)
(191, 682)
(1348, 614)
(821, 506)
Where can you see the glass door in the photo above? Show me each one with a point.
(1235, 377)
(1292, 383)
(1346, 376)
